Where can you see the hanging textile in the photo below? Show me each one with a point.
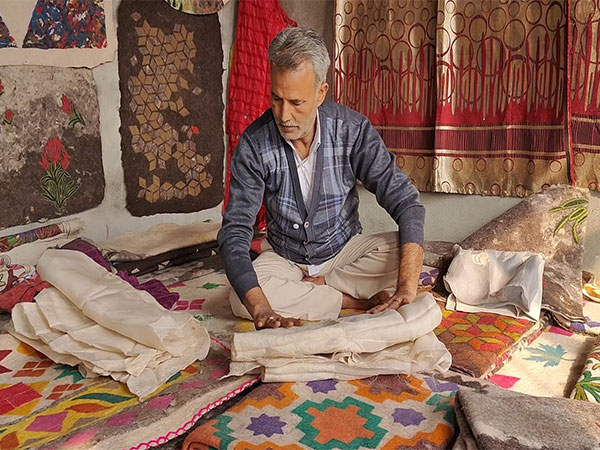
(249, 87)
(584, 92)
(63, 33)
(469, 95)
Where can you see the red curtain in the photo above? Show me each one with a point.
(584, 92)
(249, 88)
(470, 95)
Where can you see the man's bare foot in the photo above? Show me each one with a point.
(319, 281)
(262, 313)
(349, 302)
(388, 300)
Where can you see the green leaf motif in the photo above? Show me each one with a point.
(588, 387)
(69, 371)
(209, 286)
(109, 398)
(550, 355)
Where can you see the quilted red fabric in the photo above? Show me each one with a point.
(249, 89)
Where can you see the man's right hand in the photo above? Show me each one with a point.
(264, 317)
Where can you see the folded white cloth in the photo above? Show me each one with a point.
(424, 354)
(350, 347)
(93, 318)
(507, 283)
(159, 239)
(115, 304)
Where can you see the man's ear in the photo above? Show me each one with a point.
(322, 93)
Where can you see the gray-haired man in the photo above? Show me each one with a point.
(304, 157)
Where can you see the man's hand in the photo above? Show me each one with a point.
(264, 317)
(385, 300)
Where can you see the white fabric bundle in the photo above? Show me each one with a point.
(349, 347)
(507, 283)
(95, 319)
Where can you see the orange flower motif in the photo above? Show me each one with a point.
(67, 105)
(195, 129)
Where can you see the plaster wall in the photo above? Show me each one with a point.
(449, 217)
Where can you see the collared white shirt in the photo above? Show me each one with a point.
(306, 166)
(306, 175)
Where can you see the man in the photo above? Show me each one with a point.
(304, 156)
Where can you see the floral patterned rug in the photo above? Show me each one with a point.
(51, 406)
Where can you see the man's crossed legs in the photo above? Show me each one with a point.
(355, 278)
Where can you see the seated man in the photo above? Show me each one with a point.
(304, 157)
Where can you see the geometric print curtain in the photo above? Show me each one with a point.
(584, 92)
(490, 97)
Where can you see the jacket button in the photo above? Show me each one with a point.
(306, 224)
(295, 226)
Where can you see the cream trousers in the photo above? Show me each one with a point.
(365, 266)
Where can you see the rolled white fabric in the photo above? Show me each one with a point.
(62, 315)
(115, 304)
(93, 319)
(357, 334)
(424, 354)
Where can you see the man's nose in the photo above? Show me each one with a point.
(286, 112)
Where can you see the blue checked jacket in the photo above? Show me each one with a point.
(263, 166)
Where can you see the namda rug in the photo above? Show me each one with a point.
(387, 412)
(170, 69)
(62, 33)
(51, 406)
(588, 384)
(549, 366)
(480, 343)
(50, 128)
(497, 419)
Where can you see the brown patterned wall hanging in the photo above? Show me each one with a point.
(51, 158)
(170, 68)
(469, 94)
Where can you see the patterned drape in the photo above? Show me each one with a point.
(584, 92)
(470, 95)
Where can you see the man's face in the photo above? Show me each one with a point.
(295, 99)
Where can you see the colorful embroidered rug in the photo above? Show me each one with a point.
(207, 298)
(481, 343)
(170, 68)
(549, 366)
(50, 121)
(52, 406)
(60, 33)
(387, 412)
(588, 385)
